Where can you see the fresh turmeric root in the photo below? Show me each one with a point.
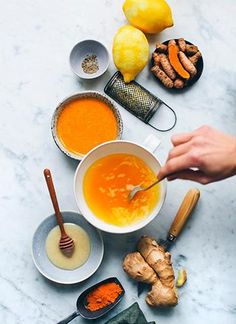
(187, 64)
(182, 44)
(161, 48)
(174, 60)
(156, 58)
(191, 49)
(179, 84)
(161, 75)
(175, 64)
(153, 265)
(194, 59)
(167, 68)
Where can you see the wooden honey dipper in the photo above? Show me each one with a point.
(66, 244)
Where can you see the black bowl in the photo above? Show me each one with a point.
(199, 67)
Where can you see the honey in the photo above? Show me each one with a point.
(108, 182)
(81, 250)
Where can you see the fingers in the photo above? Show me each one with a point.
(197, 176)
(175, 165)
(186, 137)
(179, 150)
(187, 153)
(181, 138)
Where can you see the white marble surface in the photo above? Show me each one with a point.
(36, 38)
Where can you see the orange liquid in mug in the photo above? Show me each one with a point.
(85, 123)
(108, 182)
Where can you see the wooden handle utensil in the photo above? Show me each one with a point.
(66, 243)
(185, 210)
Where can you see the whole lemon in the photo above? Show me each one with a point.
(130, 51)
(150, 16)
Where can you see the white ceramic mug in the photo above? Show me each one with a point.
(99, 152)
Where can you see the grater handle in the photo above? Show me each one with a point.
(173, 125)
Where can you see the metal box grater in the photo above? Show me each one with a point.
(136, 99)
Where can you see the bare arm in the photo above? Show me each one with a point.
(204, 155)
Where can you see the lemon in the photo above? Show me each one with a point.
(130, 51)
(150, 16)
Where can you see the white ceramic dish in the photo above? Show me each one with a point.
(48, 269)
(100, 151)
(84, 94)
(85, 48)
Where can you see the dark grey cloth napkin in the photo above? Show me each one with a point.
(131, 315)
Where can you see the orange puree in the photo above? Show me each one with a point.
(109, 180)
(84, 123)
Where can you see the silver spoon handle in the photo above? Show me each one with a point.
(153, 184)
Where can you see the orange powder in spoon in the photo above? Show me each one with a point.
(103, 295)
(85, 123)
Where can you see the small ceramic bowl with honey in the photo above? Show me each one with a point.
(50, 261)
(104, 179)
(83, 121)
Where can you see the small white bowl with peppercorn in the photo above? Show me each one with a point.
(89, 59)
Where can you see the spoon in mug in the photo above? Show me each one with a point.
(66, 244)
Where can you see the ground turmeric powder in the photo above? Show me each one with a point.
(103, 295)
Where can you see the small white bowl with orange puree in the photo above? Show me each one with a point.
(104, 179)
(83, 121)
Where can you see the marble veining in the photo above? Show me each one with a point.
(36, 39)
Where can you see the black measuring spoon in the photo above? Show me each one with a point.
(82, 302)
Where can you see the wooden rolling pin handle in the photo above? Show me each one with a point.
(185, 210)
(52, 192)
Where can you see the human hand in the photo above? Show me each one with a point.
(204, 155)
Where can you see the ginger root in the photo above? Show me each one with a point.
(136, 267)
(182, 278)
(158, 259)
(153, 265)
(161, 295)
